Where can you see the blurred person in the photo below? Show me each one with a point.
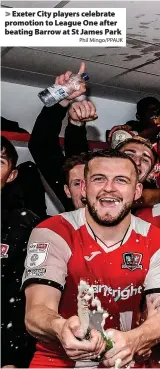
(17, 223)
(84, 245)
(8, 163)
(148, 120)
(74, 174)
(142, 152)
(28, 181)
(27, 185)
(145, 157)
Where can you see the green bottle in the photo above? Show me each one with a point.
(109, 345)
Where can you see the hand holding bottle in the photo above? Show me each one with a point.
(67, 87)
(63, 78)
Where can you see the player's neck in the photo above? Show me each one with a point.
(109, 235)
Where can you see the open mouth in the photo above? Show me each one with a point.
(83, 200)
(109, 201)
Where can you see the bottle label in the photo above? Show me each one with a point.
(58, 92)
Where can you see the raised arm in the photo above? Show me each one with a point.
(44, 142)
(79, 113)
(45, 148)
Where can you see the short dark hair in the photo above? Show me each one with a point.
(71, 162)
(143, 104)
(8, 151)
(111, 154)
(140, 140)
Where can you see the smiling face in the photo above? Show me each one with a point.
(142, 156)
(73, 190)
(110, 188)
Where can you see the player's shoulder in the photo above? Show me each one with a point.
(143, 227)
(72, 220)
(146, 229)
(140, 226)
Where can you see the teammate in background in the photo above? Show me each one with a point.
(45, 147)
(17, 223)
(148, 120)
(73, 170)
(145, 157)
(101, 244)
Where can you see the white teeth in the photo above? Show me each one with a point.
(109, 200)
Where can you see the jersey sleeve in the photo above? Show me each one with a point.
(152, 280)
(47, 257)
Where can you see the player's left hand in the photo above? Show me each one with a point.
(75, 345)
(124, 348)
(82, 111)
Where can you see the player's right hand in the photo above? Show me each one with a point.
(82, 111)
(77, 348)
(63, 78)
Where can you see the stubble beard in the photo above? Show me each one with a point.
(110, 221)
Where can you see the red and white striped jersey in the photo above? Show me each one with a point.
(62, 252)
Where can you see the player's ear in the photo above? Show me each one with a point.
(83, 188)
(138, 192)
(67, 191)
(13, 175)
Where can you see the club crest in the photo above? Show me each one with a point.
(132, 261)
(4, 250)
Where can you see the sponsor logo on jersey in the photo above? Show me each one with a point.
(92, 255)
(4, 250)
(34, 257)
(119, 293)
(132, 261)
(36, 254)
(35, 272)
